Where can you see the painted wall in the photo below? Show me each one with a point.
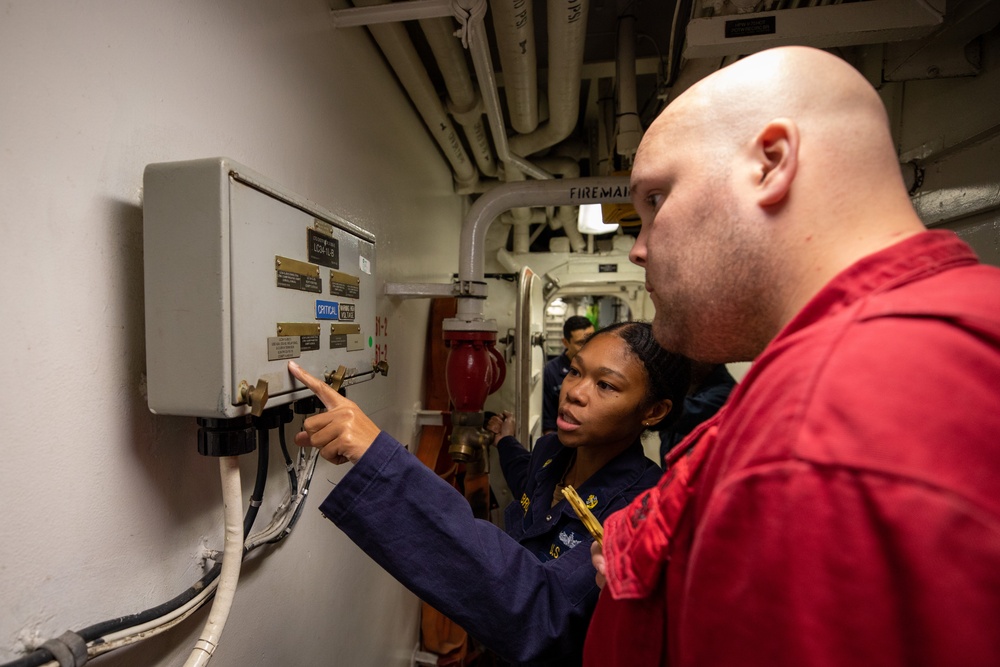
(106, 506)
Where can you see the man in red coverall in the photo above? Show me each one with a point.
(843, 508)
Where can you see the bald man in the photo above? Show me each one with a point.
(843, 508)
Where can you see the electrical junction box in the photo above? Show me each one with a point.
(240, 277)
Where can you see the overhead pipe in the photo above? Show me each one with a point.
(629, 130)
(567, 21)
(554, 192)
(471, 14)
(514, 27)
(464, 102)
(404, 60)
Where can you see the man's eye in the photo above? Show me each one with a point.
(654, 201)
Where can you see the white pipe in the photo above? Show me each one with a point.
(522, 226)
(463, 101)
(404, 60)
(397, 11)
(514, 26)
(483, 63)
(629, 128)
(567, 21)
(555, 192)
(232, 560)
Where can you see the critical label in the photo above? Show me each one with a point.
(329, 310)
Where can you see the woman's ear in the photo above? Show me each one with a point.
(776, 156)
(656, 412)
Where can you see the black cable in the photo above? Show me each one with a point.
(257, 496)
(292, 478)
(39, 656)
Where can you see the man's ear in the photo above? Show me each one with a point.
(657, 411)
(776, 153)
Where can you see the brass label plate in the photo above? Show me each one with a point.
(344, 284)
(297, 275)
(343, 335)
(298, 329)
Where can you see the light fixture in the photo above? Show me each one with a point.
(591, 220)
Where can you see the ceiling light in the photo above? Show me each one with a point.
(591, 220)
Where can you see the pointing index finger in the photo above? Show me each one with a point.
(318, 387)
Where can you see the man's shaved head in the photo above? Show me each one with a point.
(755, 187)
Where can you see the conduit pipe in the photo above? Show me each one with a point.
(522, 228)
(472, 18)
(463, 101)
(232, 560)
(554, 192)
(629, 128)
(567, 21)
(514, 26)
(404, 60)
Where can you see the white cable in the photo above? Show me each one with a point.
(232, 559)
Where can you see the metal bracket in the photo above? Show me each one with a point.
(462, 288)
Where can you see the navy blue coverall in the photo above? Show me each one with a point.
(527, 595)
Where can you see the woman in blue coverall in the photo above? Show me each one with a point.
(527, 593)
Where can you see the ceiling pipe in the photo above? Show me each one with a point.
(554, 192)
(405, 61)
(567, 21)
(629, 128)
(471, 14)
(514, 27)
(464, 102)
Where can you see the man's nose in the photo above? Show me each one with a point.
(637, 255)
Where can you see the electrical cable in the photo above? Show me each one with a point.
(115, 633)
(232, 561)
(293, 482)
(257, 495)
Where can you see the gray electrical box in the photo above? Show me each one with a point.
(240, 277)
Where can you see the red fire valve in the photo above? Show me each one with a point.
(475, 368)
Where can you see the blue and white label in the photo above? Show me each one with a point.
(327, 310)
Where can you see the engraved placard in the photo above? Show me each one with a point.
(283, 347)
(344, 284)
(293, 274)
(323, 250)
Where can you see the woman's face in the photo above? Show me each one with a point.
(601, 401)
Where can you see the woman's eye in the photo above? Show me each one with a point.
(604, 385)
(573, 372)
